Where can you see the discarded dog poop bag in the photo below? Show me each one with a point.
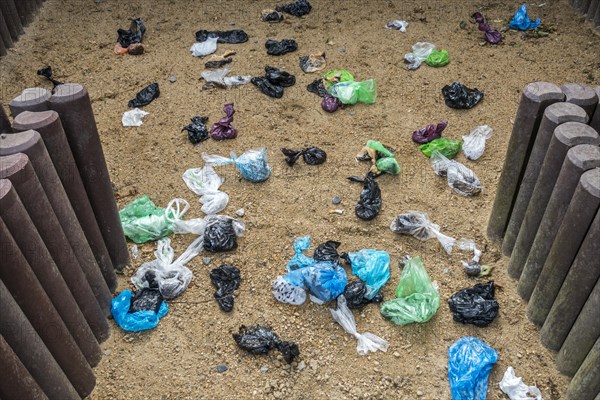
(226, 279)
(330, 104)
(324, 280)
(143, 221)
(145, 96)
(447, 147)
(469, 364)
(372, 267)
(135, 34)
(252, 164)
(420, 52)
(275, 48)
(259, 340)
(521, 21)
(355, 293)
(429, 133)
(297, 8)
(460, 96)
(353, 92)
(474, 305)
(279, 77)
(221, 233)
(232, 37)
(223, 129)
(474, 142)
(310, 155)
(461, 179)
(514, 387)
(197, 131)
(205, 182)
(369, 202)
(438, 58)
(336, 76)
(139, 313)
(267, 87)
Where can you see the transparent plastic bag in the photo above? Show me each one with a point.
(133, 117)
(371, 266)
(469, 364)
(474, 142)
(143, 221)
(514, 387)
(135, 321)
(367, 342)
(353, 92)
(206, 183)
(219, 78)
(204, 48)
(174, 213)
(287, 293)
(399, 25)
(461, 179)
(420, 52)
(253, 164)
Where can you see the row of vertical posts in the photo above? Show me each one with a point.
(14, 15)
(547, 215)
(588, 8)
(61, 242)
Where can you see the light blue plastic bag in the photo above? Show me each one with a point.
(136, 321)
(521, 21)
(371, 266)
(469, 364)
(299, 260)
(253, 164)
(324, 280)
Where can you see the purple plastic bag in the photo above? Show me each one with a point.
(330, 104)
(223, 129)
(429, 133)
(491, 34)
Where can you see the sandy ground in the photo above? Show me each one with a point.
(178, 359)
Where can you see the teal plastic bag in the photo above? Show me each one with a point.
(353, 92)
(371, 266)
(469, 364)
(143, 221)
(135, 321)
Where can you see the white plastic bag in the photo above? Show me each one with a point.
(253, 164)
(461, 179)
(287, 293)
(474, 142)
(133, 117)
(420, 52)
(174, 213)
(367, 342)
(398, 25)
(205, 183)
(514, 387)
(205, 48)
(219, 77)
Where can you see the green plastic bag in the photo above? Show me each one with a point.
(417, 299)
(143, 221)
(438, 58)
(448, 147)
(353, 92)
(385, 159)
(336, 76)
(379, 148)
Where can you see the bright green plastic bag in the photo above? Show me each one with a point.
(336, 76)
(353, 92)
(438, 58)
(386, 161)
(448, 147)
(417, 299)
(143, 221)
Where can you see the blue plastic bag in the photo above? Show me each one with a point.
(324, 280)
(371, 266)
(469, 364)
(252, 164)
(136, 321)
(521, 21)
(299, 260)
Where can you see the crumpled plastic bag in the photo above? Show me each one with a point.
(473, 268)
(133, 117)
(324, 280)
(219, 78)
(145, 96)
(367, 342)
(233, 36)
(226, 279)
(417, 298)
(521, 21)
(135, 34)
(267, 87)
(300, 260)
(420, 52)
(297, 8)
(469, 364)
(310, 155)
(475, 305)
(279, 77)
(372, 267)
(448, 147)
(271, 16)
(328, 251)
(318, 87)
(429, 133)
(171, 277)
(369, 202)
(355, 295)
(491, 35)
(259, 340)
(438, 58)
(313, 62)
(330, 104)
(275, 48)
(206, 183)
(253, 164)
(460, 96)
(353, 92)
(197, 131)
(514, 387)
(223, 129)
(381, 157)
(46, 72)
(399, 25)
(141, 319)
(474, 142)
(221, 233)
(219, 61)
(288, 293)
(461, 179)
(336, 76)
(201, 49)
(143, 221)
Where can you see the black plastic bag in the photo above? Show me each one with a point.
(234, 36)
(369, 203)
(297, 8)
(475, 305)
(218, 63)
(355, 295)
(327, 252)
(147, 299)
(271, 16)
(311, 155)
(259, 340)
(197, 130)
(220, 235)
(275, 48)
(46, 72)
(317, 88)
(460, 96)
(135, 34)
(145, 96)
(226, 279)
(279, 77)
(267, 87)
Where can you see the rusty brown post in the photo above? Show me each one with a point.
(8, 9)
(4, 121)
(16, 382)
(5, 32)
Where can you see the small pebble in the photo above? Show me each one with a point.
(264, 370)
(446, 271)
(396, 354)
(240, 213)
(172, 79)
(206, 260)
(342, 49)
(420, 393)
(301, 365)
(336, 200)
(352, 113)
(221, 368)
(134, 251)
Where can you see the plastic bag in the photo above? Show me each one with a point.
(297, 8)
(474, 142)
(279, 77)
(473, 268)
(317, 87)
(226, 279)
(438, 58)
(429, 133)
(197, 131)
(221, 233)
(372, 267)
(252, 164)
(491, 35)
(145, 96)
(135, 34)
(448, 147)
(232, 37)
(218, 63)
(133, 117)
(469, 364)
(367, 342)
(287, 293)
(417, 298)
(139, 320)
(201, 49)
(381, 156)
(330, 104)
(299, 260)
(521, 21)
(143, 221)
(223, 129)
(205, 183)
(259, 340)
(324, 281)
(328, 252)
(461, 179)
(46, 72)
(267, 87)
(397, 24)
(310, 155)
(336, 76)
(355, 295)
(271, 16)
(275, 48)
(369, 203)
(475, 305)
(313, 62)
(514, 387)
(355, 92)
(420, 52)
(220, 79)
(460, 96)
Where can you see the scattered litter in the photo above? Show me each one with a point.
(197, 131)
(219, 78)
(381, 156)
(252, 164)
(135, 34)
(218, 63)
(279, 77)
(232, 37)
(134, 252)
(521, 21)
(336, 211)
(474, 305)
(514, 387)
(135, 49)
(120, 49)
(353, 92)
(221, 233)
(469, 364)
(172, 79)
(491, 35)
(140, 312)
(355, 295)
(205, 183)
(367, 342)
(268, 88)
(46, 72)
(372, 267)
(143, 221)
(201, 49)
(335, 76)
(438, 58)
(310, 155)
(145, 96)
(133, 117)
(259, 340)
(275, 48)
(417, 298)
(297, 9)
(369, 203)
(461, 179)
(460, 96)
(299, 260)
(313, 62)
(317, 88)
(330, 104)
(226, 279)
(271, 16)
(473, 268)
(447, 147)
(328, 252)
(223, 129)
(397, 24)
(429, 133)
(474, 142)
(336, 200)
(420, 52)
